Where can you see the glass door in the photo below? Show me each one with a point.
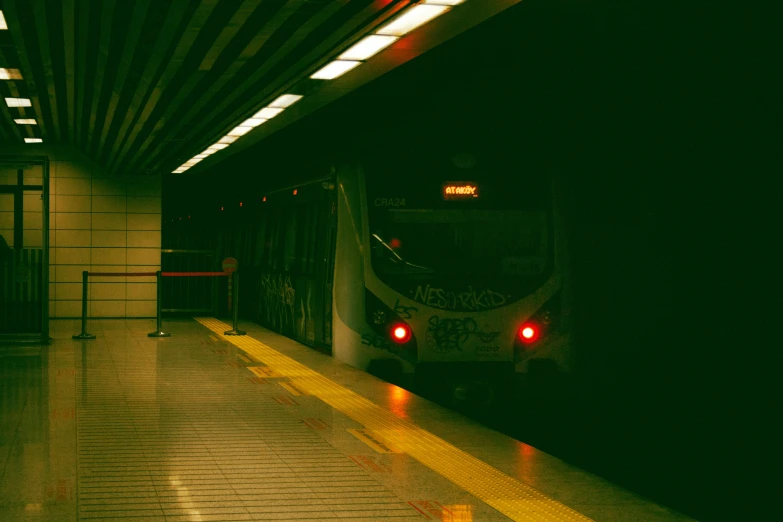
(24, 251)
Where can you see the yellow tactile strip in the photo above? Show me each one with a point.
(508, 495)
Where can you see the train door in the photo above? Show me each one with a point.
(24, 245)
(294, 278)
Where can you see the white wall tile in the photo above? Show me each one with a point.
(72, 203)
(107, 291)
(73, 187)
(109, 256)
(72, 256)
(106, 221)
(7, 218)
(67, 291)
(108, 204)
(71, 169)
(144, 221)
(108, 238)
(146, 238)
(142, 291)
(68, 221)
(109, 187)
(69, 273)
(32, 220)
(143, 256)
(68, 309)
(32, 238)
(107, 308)
(32, 202)
(72, 238)
(141, 308)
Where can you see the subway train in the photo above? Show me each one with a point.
(419, 266)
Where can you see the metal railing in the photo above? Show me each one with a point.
(84, 335)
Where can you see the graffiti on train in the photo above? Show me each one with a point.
(471, 300)
(277, 300)
(374, 340)
(446, 335)
(405, 312)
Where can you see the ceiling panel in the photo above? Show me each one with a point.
(143, 85)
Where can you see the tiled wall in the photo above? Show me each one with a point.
(101, 223)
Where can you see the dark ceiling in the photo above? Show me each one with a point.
(143, 85)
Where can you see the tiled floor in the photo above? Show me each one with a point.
(193, 427)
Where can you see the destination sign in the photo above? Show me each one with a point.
(460, 190)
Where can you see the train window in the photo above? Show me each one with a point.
(261, 247)
(291, 220)
(454, 242)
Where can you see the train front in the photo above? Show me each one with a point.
(463, 274)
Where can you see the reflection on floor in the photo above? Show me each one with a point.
(192, 427)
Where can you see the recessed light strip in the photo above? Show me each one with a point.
(413, 18)
(408, 20)
(18, 102)
(10, 74)
(270, 111)
(335, 69)
(3, 24)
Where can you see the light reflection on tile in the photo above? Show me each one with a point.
(162, 429)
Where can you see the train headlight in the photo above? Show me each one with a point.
(400, 333)
(529, 333)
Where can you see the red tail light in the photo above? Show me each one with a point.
(529, 333)
(400, 333)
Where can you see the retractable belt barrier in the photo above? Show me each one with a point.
(158, 275)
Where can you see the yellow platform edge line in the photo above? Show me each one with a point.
(510, 496)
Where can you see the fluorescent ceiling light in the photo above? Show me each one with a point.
(26, 121)
(286, 100)
(3, 25)
(228, 139)
(412, 18)
(218, 146)
(200, 156)
(368, 46)
(178, 171)
(239, 131)
(209, 152)
(10, 74)
(267, 113)
(253, 122)
(334, 69)
(443, 2)
(18, 102)
(33, 140)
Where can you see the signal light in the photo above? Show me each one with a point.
(528, 333)
(401, 333)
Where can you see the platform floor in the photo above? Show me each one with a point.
(203, 427)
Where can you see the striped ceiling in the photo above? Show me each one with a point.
(142, 85)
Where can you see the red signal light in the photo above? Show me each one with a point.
(395, 243)
(401, 333)
(528, 333)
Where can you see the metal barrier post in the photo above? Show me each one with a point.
(235, 330)
(159, 332)
(84, 334)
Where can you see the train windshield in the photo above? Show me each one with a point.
(455, 229)
(458, 243)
